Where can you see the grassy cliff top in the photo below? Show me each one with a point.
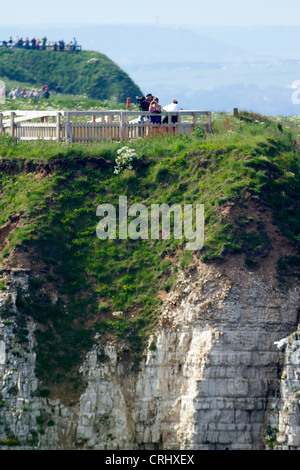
(246, 173)
(84, 73)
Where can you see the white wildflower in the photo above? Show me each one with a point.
(125, 158)
(117, 313)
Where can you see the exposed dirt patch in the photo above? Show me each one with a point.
(42, 167)
(267, 262)
(21, 259)
(162, 295)
(7, 229)
(64, 392)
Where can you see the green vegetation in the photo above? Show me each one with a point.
(60, 102)
(114, 287)
(271, 438)
(2, 402)
(10, 442)
(93, 74)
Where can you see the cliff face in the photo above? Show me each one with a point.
(283, 420)
(210, 376)
(212, 380)
(215, 371)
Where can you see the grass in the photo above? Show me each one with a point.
(93, 74)
(57, 102)
(111, 288)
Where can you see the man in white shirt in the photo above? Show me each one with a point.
(74, 44)
(172, 107)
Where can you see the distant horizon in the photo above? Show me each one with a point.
(228, 66)
(170, 13)
(162, 25)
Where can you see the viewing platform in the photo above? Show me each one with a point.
(41, 47)
(93, 126)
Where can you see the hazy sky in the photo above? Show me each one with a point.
(164, 13)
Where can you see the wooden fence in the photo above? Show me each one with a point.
(90, 126)
(32, 125)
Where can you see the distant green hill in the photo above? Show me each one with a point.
(87, 72)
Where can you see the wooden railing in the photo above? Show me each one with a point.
(90, 126)
(32, 125)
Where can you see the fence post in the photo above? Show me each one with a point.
(179, 123)
(1, 123)
(57, 127)
(208, 125)
(69, 129)
(122, 125)
(12, 124)
(194, 122)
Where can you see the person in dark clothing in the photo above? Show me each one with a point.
(144, 106)
(44, 40)
(45, 90)
(146, 103)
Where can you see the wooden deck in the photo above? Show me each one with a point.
(91, 126)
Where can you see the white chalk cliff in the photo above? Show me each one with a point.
(215, 380)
